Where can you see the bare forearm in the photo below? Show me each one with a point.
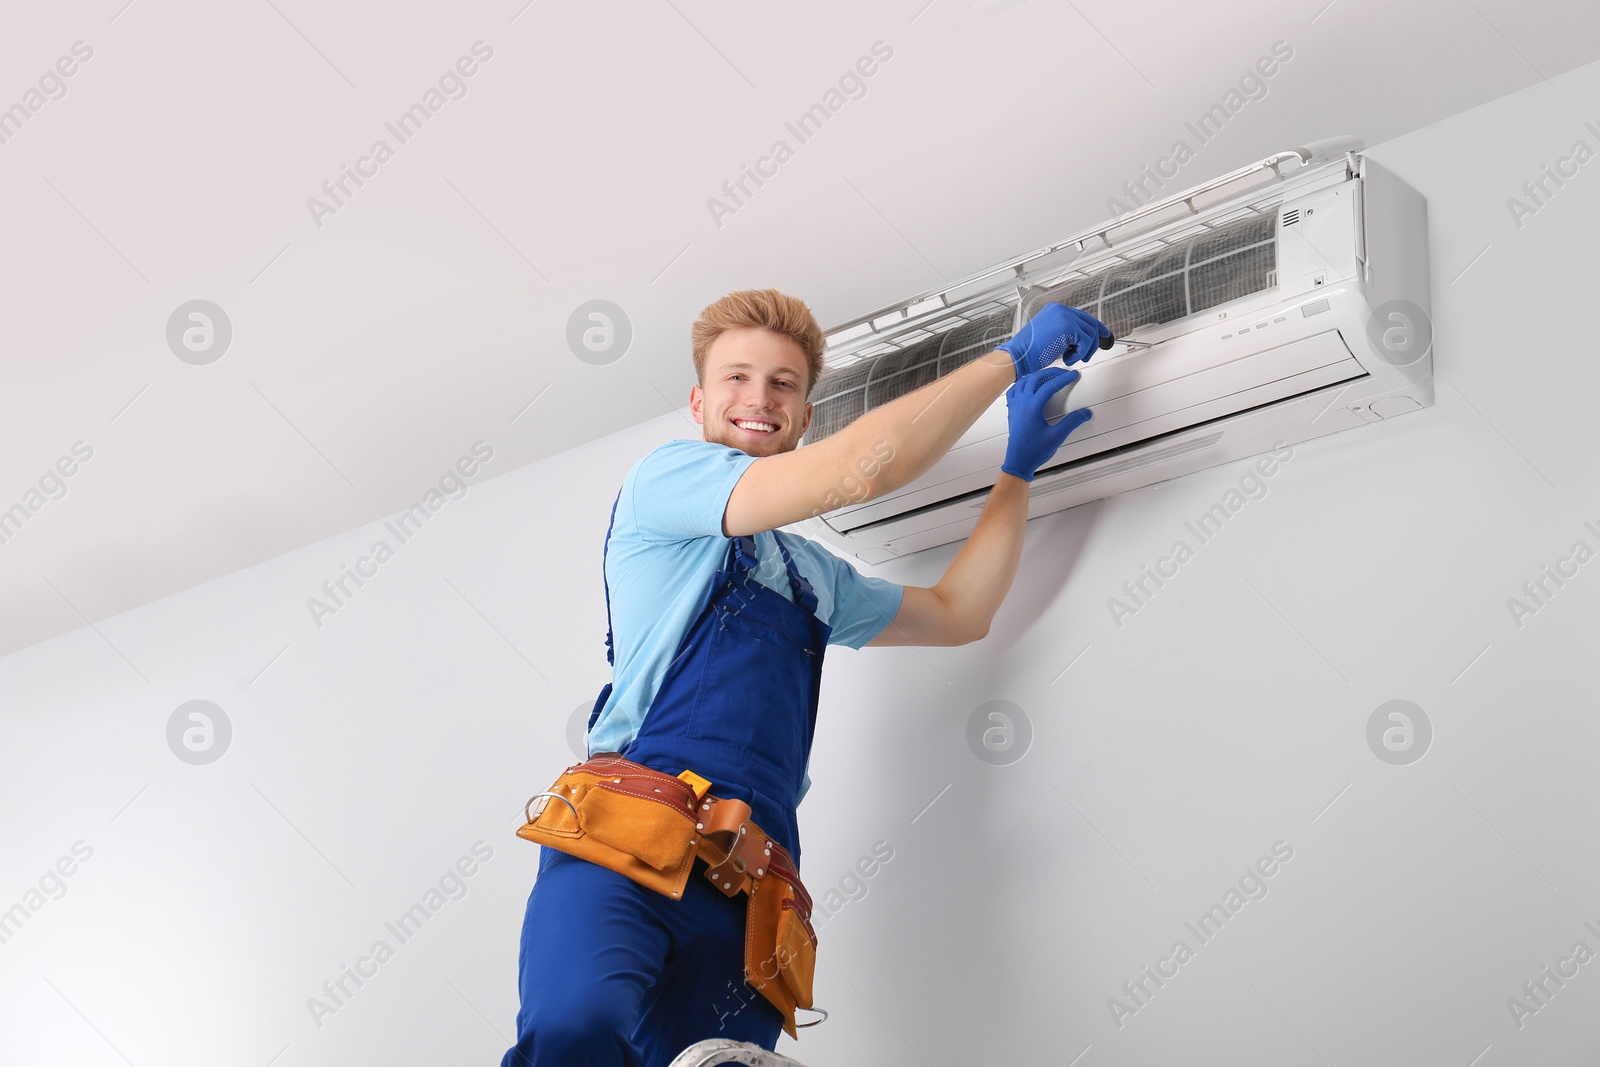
(978, 579)
(899, 441)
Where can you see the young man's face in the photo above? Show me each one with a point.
(753, 398)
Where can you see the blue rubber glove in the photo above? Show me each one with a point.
(1055, 331)
(1033, 440)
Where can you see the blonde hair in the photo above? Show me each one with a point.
(765, 309)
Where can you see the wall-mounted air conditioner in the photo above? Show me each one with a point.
(1283, 301)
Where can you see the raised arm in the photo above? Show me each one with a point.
(884, 449)
(893, 445)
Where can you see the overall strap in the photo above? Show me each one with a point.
(802, 587)
(743, 548)
(610, 652)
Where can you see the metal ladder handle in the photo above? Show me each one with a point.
(722, 1050)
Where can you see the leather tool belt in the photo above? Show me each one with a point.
(650, 827)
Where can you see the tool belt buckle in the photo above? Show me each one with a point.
(748, 857)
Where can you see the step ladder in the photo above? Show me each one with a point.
(722, 1050)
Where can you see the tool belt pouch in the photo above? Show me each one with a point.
(622, 816)
(780, 949)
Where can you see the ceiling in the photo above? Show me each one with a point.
(380, 331)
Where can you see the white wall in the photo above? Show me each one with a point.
(371, 753)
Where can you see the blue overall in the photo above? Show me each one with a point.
(612, 974)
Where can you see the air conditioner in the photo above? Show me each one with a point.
(1283, 301)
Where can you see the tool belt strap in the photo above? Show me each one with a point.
(737, 852)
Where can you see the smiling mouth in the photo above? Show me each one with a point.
(755, 426)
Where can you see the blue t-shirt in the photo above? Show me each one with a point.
(667, 543)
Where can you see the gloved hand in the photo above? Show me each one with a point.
(1055, 331)
(1033, 440)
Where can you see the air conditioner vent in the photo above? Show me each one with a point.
(1067, 479)
(1291, 217)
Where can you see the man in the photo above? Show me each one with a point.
(720, 627)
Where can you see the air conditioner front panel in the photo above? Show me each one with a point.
(1134, 398)
(1166, 388)
(1249, 434)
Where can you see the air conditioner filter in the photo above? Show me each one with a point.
(1183, 278)
(1231, 261)
(844, 394)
